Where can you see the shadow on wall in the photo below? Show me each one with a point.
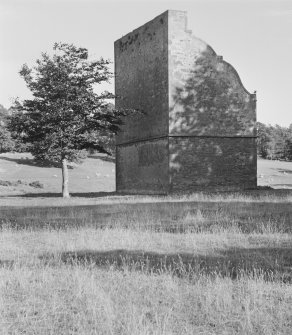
(212, 128)
(271, 263)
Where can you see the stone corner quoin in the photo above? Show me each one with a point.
(197, 126)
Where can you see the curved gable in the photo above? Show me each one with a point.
(206, 95)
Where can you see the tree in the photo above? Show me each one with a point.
(6, 141)
(4, 113)
(289, 143)
(274, 142)
(265, 141)
(65, 116)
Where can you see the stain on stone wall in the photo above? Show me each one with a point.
(142, 167)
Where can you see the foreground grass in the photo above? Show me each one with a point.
(124, 281)
(214, 214)
(262, 194)
(84, 300)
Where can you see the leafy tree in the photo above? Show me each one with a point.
(289, 143)
(274, 142)
(4, 113)
(66, 116)
(278, 142)
(265, 142)
(6, 141)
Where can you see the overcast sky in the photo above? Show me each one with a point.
(255, 36)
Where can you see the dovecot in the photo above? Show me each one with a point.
(196, 129)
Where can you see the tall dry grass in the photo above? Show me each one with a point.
(52, 199)
(143, 281)
(172, 216)
(87, 300)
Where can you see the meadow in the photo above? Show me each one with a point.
(100, 263)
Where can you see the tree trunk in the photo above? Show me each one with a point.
(65, 179)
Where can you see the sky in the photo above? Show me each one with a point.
(254, 36)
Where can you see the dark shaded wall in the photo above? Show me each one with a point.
(141, 68)
(142, 167)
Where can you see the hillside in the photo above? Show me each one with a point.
(97, 174)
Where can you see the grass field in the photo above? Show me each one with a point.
(99, 263)
(97, 175)
(207, 279)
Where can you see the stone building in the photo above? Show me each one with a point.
(196, 129)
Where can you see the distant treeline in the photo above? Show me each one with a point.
(7, 143)
(273, 142)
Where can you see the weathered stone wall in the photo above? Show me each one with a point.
(197, 130)
(141, 68)
(212, 117)
(206, 96)
(142, 167)
(208, 163)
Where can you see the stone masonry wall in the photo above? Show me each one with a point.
(202, 163)
(197, 126)
(141, 69)
(206, 96)
(212, 117)
(142, 167)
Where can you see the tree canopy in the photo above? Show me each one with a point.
(6, 141)
(274, 142)
(66, 115)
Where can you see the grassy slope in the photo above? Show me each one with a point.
(94, 175)
(277, 174)
(97, 174)
(93, 180)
